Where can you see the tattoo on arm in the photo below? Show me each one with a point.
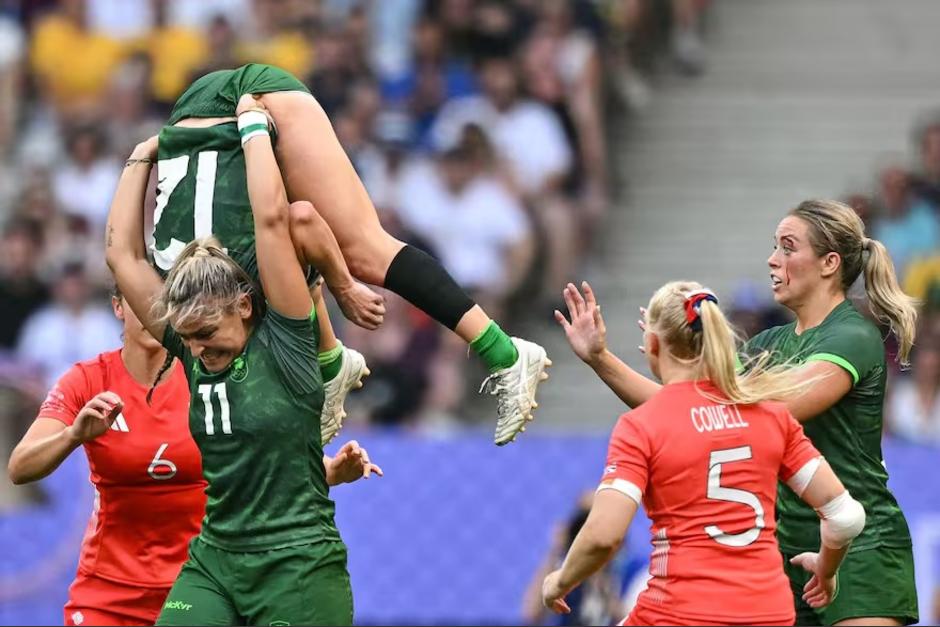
(110, 235)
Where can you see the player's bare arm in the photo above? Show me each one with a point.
(281, 274)
(48, 442)
(315, 243)
(833, 384)
(587, 335)
(125, 250)
(842, 518)
(596, 544)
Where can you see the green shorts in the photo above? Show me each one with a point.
(299, 585)
(873, 583)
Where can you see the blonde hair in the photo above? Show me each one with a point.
(835, 227)
(203, 285)
(711, 348)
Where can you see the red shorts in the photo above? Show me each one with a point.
(96, 601)
(644, 616)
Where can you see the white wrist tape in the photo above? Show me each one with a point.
(252, 124)
(843, 518)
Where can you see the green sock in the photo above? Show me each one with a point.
(495, 348)
(330, 362)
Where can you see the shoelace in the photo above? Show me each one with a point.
(494, 384)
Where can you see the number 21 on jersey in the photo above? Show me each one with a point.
(207, 391)
(170, 173)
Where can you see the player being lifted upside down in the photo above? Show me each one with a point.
(202, 191)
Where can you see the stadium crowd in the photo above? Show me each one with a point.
(478, 126)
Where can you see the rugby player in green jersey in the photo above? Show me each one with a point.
(820, 250)
(199, 193)
(269, 551)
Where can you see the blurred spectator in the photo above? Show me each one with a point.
(913, 409)
(391, 24)
(530, 140)
(200, 15)
(274, 36)
(222, 42)
(70, 329)
(922, 280)
(927, 178)
(622, 20)
(561, 66)
(400, 354)
(175, 52)
(37, 201)
(432, 78)
(120, 19)
(21, 290)
(71, 62)
(479, 229)
(130, 110)
(334, 71)
(11, 52)
(906, 224)
(595, 602)
(862, 205)
(457, 18)
(85, 184)
(687, 46)
(527, 135)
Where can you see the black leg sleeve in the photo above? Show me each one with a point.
(418, 278)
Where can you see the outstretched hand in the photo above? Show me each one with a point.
(586, 332)
(350, 464)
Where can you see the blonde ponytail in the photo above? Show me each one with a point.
(887, 300)
(711, 348)
(835, 227)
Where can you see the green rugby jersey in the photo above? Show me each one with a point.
(848, 434)
(201, 184)
(257, 430)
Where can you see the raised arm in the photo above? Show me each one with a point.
(125, 250)
(282, 276)
(587, 336)
(64, 423)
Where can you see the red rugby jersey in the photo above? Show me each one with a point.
(147, 472)
(707, 476)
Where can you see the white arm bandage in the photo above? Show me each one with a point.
(843, 518)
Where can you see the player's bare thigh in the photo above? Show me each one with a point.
(888, 622)
(316, 168)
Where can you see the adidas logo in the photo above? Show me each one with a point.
(120, 424)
